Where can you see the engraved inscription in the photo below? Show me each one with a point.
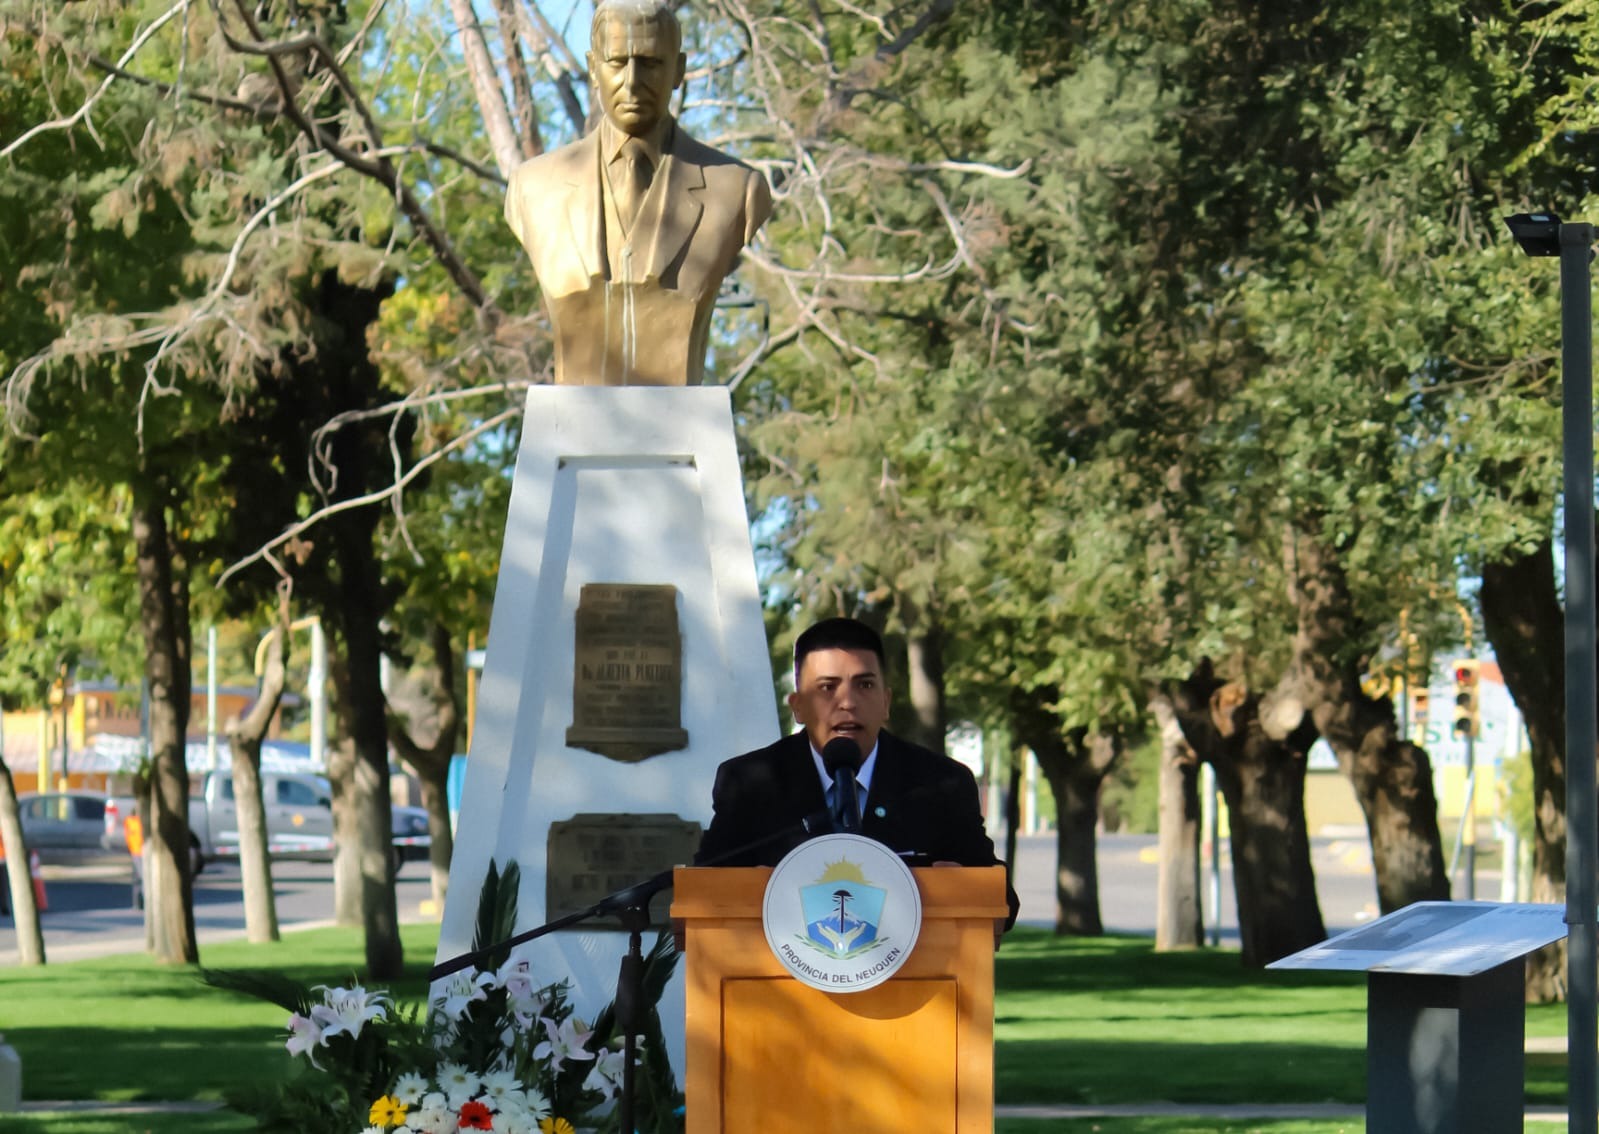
(628, 688)
(590, 857)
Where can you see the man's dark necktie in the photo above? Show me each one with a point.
(846, 805)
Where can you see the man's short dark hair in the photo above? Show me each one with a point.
(837, 634)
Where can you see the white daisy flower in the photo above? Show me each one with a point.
(409, 1088)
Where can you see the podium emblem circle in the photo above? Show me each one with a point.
(842, 913)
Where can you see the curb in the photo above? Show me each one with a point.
(1023, 1110)
(1244, 1111)
(98, 1106)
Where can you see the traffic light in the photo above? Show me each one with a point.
(1468, 721)
(1419, 701)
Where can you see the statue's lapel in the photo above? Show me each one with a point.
(672, 213)
(585, 206)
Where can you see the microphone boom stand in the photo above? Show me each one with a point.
(631, 906)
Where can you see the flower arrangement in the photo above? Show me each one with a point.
(495, 1051)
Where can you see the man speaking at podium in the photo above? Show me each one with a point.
(914, 801)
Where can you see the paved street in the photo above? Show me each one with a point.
(1128, 871)
(90, 911)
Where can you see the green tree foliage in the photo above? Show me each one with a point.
(209, 203)
(1206, 344)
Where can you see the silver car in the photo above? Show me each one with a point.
(65, 827)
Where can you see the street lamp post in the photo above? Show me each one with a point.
(1543, 234)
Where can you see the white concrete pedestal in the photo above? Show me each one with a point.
(631, 485)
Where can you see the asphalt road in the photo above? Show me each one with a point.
(90, 911)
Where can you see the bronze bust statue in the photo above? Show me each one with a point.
(632, 228)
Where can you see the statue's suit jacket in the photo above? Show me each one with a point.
(649, 325)
(919, 803)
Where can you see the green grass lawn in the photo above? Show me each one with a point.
(1088, 1021)
(1172, 1126)
(1108, 1020)
(221, 1122)
(121, 1028)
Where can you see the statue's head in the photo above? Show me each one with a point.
(636, 61)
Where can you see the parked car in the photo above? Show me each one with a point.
(412, 842)
(299, 817)
(64, 827)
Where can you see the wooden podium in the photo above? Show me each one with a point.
(768, 1054)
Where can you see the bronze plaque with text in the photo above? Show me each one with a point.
(627, 690)
(590, 857)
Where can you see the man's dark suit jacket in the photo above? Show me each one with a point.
(919, 803)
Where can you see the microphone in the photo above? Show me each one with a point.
(842, 757)
(839, 751)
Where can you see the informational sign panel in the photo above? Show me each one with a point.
(1438, 939)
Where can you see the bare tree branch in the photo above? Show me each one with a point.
(529, 142)
(486, 85)
(82, 112)
(377, 497)
(370, 164)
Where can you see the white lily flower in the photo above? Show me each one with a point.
(516, 977)
(347, 1010)
(565, 1042)
(304, 1034)
(606, 1076)
(460, 990)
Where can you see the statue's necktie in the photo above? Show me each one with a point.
(637, 171)
(845, 802)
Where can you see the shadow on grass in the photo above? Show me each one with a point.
(153, 1064)
(1064, 1071)
(221, 1122)
(1109, 1020)
(129, 1028)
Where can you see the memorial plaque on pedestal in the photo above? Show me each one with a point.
(593, 856)
(628, 678)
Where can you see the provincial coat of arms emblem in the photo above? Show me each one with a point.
(842, 913)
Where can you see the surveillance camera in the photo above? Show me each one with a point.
(1537, 233)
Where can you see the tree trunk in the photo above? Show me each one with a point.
(1525, 625)
(346, 847)
(244, 741)
(1179, 916)
(424, 721)
(142, 789)
(25, 911)
(164, 620)
(1391, 776)
(1075, 763)
(924, 658)
(1013, 803)
(370, 829)
(1259, 757)
(356, 605)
